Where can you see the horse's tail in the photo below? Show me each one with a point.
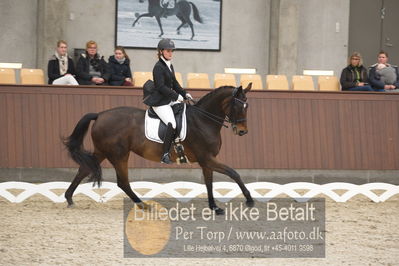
(74, 144)
(196, 13)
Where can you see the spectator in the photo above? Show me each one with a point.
(354, 76)
(384, 78)
(92, 68)
(60, 68)
(119, 67)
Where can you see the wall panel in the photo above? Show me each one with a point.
(287, 130)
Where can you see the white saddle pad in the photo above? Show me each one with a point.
(152, 124)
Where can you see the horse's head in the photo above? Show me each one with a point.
(238, 110)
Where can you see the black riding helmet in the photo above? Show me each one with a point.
(166, 44)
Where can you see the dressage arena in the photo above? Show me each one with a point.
(40, 231)
(361, 210)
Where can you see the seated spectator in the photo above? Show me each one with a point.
(91, 67)
(119, 67)
(384, 76)
(60, 68)
(354, 76)
(386, 73)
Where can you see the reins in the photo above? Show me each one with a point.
(228, 118)
(214, 118)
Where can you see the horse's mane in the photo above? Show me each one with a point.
(210, 94)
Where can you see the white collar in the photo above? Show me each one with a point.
(167, 62)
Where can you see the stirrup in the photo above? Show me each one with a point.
(166, 158)
(181, 157)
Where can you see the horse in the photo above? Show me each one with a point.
(120, 130)
(181, 10)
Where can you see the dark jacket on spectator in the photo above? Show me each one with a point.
(118, 71)
(53, 69)
(83, 69)
(349, 78)
(374, 77)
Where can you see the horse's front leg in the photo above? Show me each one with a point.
(208, 178)
(143, 15)
(160, 25)
(214, 165)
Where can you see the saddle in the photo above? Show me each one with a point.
(178, 111)
(155, 129)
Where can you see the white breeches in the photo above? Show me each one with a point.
(66, 80)
(165, 112)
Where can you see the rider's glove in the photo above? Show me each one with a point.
(188, 96)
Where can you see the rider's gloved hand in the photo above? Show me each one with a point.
(188, 96)
(180, 98)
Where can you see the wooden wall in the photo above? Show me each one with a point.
(287, 130)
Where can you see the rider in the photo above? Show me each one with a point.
(168, 93)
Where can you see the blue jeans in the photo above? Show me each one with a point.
(361, 88)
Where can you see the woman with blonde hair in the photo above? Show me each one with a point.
(354, 76)
(91, 67)
(60, 68)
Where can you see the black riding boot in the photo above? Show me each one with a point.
(167, 142)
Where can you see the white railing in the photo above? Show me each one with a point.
(194, 189)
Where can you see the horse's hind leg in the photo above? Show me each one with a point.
(181, 25)
(82, 173)
(214, 165)
(208, 178)
(192, 28)
(121, 170)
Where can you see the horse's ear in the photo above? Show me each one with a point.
(236, 91)
(248, 88)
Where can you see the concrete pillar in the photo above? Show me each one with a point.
(52, 18)
(274, 36)
(288, 37)
(283, 37)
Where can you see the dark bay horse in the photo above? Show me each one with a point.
(181, 9)
(120, 130)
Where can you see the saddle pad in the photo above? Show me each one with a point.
(151, 127)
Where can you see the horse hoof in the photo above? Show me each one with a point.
(218, 211)
(250, 203)
(70, 205)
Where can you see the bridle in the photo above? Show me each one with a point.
(228, 118)
(231, 118)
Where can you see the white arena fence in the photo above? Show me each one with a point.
(194, 189)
